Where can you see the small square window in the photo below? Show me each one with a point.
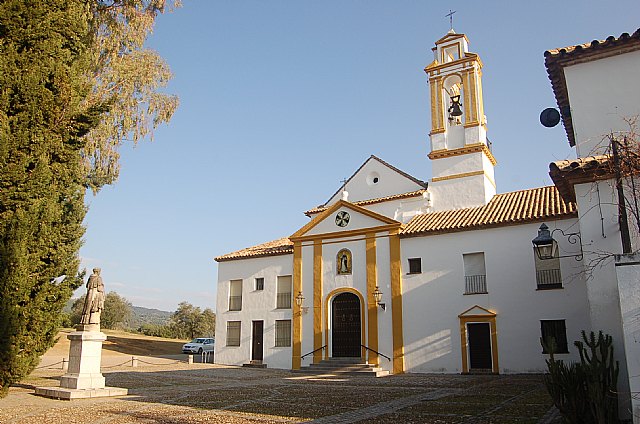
(554, 330)
(260, 283)
(415, 265)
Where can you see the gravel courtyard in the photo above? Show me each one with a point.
(176, 392)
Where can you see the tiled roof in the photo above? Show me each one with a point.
(557, 59)
(566, 173)
(372, 201)
(512, 208)
(374, 157)
(282, 246)
(504, 209)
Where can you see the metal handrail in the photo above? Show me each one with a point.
(375, 351)
(313, 351)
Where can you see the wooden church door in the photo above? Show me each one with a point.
(346, 332)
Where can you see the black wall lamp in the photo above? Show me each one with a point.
(377, 295)
(546, 246)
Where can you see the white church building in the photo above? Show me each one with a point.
(438, 276)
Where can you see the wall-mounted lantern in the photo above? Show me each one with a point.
(377, 295)
(546, 247)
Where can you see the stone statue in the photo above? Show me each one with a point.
(94, 302)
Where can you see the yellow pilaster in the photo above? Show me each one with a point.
(474, 97)
(317, 300)
(396, 303)
(372, 308)
(297, 312)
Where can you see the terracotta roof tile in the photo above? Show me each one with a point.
(282, 246)
(504, 209)
(557, 59)
(416, 193)
(566, 173)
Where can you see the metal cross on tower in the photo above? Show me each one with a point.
(450, 16)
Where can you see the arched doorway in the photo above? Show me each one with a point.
(346, 329)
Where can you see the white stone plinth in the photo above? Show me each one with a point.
(84, 361)
(83, 378)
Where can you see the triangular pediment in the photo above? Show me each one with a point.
(451, 36)
(477, 311)
(375, 179)
(343, 218)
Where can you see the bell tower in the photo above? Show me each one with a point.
(462, 162)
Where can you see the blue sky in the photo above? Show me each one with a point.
(280, 100)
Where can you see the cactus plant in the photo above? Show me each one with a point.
(585, 392)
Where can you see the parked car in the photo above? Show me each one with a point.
(199, 345)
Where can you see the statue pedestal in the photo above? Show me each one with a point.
(84, 361)
(83, 378)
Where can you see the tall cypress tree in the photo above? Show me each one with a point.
(75, 82)
(43, 81)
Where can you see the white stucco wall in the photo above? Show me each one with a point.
(459, 193)
(598, 225)
(434, 299)
(613, 83)
(362, 187)
(356, 220)
(628, 275)
(256, 305)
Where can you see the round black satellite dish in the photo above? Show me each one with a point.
(550, 117)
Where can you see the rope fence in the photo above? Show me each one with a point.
(134, 361)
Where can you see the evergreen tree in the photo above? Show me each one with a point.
(75, 81)
(43, 58)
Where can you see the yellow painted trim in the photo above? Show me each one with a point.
(467, 97)
(462, 175)
(449, 36)
(317, 300)
(441, 109)
(372, 307)
(297, 310)
(396, 303)
(487, 312)
(471, 148)
(480, 98)
(329, 211)
(434, 105)
(474, 97)
(446, 46)
(348, 233)
(490, 317)
(327, 304)
(462, 61)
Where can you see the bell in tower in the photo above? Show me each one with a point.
(462, 162)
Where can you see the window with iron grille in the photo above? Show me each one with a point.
(415, 265)
(235, 295)
(475, 274)
(260, 283)
(283, 294)
(233, 333)
(548, 273)
(283, 333)
(554, 331)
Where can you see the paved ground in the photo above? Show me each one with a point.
(176, 392)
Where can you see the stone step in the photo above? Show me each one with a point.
(344, 366)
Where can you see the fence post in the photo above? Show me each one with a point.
(65, 364)
(134, 361)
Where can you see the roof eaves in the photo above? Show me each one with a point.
(557, 59)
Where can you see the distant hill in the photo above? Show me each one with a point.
(148, 316)
(140, 315)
